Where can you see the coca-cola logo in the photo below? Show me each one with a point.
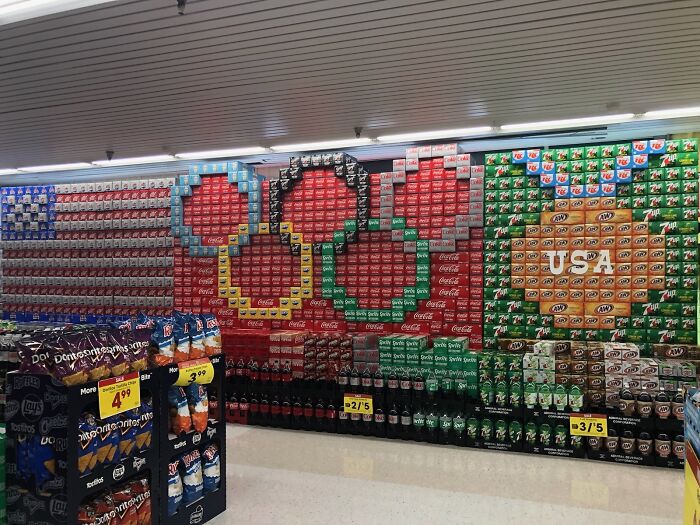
(448, 281)
(297, 324)
(436, 304)
(329, 325)
(448, 257)
(423, 316)
(317, 303)
(374, 326)
(268, 302)
(461, 329)
(406, 327)
(255, 323)
(448, 268)
(452, 292)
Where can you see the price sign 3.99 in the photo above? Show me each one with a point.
(119, 394)
(595, 425)
(199, 371)
(358, 404)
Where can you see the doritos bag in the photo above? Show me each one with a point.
(163, 339)
(181, 334)
(175, 489)
(125, 506)
(196, 325)
(87, 443)
(198, 405)
(180, 419)
(211, 464)
(144, 432)
(42, 458)
(212, 334)
(128, 426)
(141, 493)
(192, 479)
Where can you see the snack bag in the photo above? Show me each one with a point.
(141, 493)
(105, 509)
(139, 345)
(69, 363)
(97, 358)
(212, 334)
(87, 443)
(112, 436)
(128, 426)
(181, 334)
(196, 325)
(101, 338)
(199, 406)
(144, 432)
(42, 458)
(143, 321)
(211, 464)
(175, 489)
(192, 478)
(119, 349)
(163, 339)
(33, 358)
(87, 514)
(180, 419)
(124, 504)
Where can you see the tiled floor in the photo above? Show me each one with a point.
(277, 477)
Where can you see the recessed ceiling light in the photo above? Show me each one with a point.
(8, 172)
(673, 113)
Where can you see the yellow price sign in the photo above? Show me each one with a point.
(199, 371)
(358, 404)
(119, 394)
(595, 425)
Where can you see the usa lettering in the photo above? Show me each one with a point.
(579, 262)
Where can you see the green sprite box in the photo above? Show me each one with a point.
(592, 152)
(385, 343)
(399, 357)
(607, 151)
(427, 358)
(576, 153)
(413, 358)
(622, 150)
(455, 361)
(440, 360)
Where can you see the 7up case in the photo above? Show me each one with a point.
(624, 246)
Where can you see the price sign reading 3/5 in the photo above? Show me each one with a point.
(358, 404)
(199, 371)
(595, 425)
(119, 394)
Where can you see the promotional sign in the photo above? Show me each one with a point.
(119, 394)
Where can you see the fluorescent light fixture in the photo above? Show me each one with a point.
(135, 160)
(56, 167)
(672, 113)
(330, 144)
(16, 10)
(433, 135)
(8, 172)
(221, 153)
(569, 123)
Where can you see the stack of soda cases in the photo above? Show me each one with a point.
(3, 471)
(633, 207)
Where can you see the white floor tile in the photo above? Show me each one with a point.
(286, 477)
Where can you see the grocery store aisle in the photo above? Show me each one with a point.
(277, 476)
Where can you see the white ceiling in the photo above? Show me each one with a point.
(135, 77)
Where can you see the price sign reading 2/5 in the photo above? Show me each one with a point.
(358, 404)
(119, 394)
(199, 371)
(595, 425)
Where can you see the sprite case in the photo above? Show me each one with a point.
(640, 200)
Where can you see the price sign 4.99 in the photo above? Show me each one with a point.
(595, 425)
(358, 404)
(119, 394)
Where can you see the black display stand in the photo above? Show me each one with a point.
(39, 405)
(170, 447)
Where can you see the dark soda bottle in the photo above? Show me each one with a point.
(379, 417)
(445, 437)
(418, 387)
(264, 409)
(392, 387)
(254, 412)
(418, 423)
(320, 416)
(366, 381)
(308, 421)
(459, 429)
(331, 419)
(405, 386)
(286, 412)
(276, 412)
(355, 381)
(275, 375)
(432, 423)
(244, 409)
(393, 422)
(406, 422)
(232, 407)
(298, 414)
(367, 425)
